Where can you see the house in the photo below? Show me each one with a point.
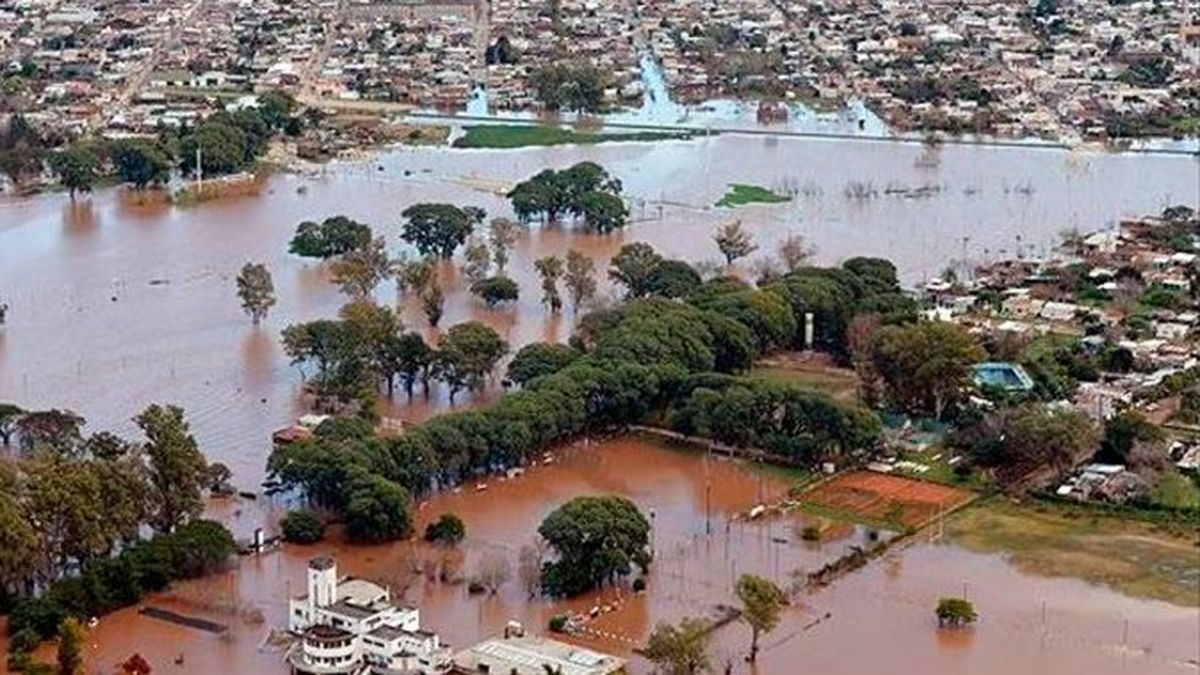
(351, 627)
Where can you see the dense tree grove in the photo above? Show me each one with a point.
(677, 358)
(73, 509)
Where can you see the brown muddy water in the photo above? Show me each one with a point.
(879, 615)
(115, 305)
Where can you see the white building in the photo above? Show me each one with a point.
(533, 655)
(351, 627)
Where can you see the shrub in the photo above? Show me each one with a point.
(303, 526)
(955, 612)
(448, 529)
(639, 585)
(811, 533)
(558, 623)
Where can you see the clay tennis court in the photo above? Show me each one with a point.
(877, 496)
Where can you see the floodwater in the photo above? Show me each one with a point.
(116, 305)
(882, 614)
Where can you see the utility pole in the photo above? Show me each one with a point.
(199, 172)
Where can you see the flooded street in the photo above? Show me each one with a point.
(115, 305)
(883, 613)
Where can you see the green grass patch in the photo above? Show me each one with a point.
(840, 385)
(1177, 491)
(508, 136)
(1132, 557)
(740, 194)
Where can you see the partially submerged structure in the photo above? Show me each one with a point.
(351, 627)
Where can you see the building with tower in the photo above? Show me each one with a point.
(351, 626)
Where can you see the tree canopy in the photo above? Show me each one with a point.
(331, 237)
(597, 540)
(439, 229)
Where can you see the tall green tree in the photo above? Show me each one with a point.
(141, 162)
(550, 269)
(762, 603)
(633, 267)
(331, 237)
(176, 467)
(408, 357)
(926, 366)
(71, 635)
(580, 278)
(256, 290)
(377, 509)
(602, 212)
(439, 229)
(467, 355)
(540, 358)
(597, 540)
(76, 169)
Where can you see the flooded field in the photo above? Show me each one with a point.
(1028, 623)
(116, 305)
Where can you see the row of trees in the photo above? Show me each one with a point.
(367, 349)
(650, 354)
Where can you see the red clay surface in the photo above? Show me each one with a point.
(878, 496)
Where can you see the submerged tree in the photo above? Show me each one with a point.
(433, 303)
(550, 269)
(955, 612)
(477, 260)
(439, 229)
(496, 290)
(597, 539)
(467, 355)
(794, 252)
(177, 470)
(256, 290)
(360, 271)
(762, 603)
(580, 278)
(76, 169)
(680, 649)
(502, 234)
(734, 241)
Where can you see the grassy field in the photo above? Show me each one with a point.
(1133, 557)
(507, 136)
(740, 194)
(840, 384)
